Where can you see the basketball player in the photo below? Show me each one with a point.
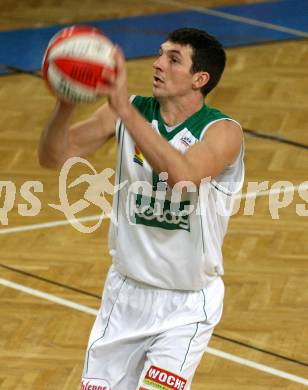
(183, 160)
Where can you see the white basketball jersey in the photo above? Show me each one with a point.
(166, 237)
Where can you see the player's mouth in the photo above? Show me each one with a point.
(157, 81)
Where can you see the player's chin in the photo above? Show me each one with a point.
(158, 92)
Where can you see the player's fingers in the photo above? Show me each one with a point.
(108, 76)
(119, 59)
(103, 89)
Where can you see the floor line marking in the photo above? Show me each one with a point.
(257, 366)
(48, 297)
(236, 18)
(45, 225)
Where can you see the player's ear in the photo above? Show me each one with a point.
(200, 79)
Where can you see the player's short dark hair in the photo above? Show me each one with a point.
(208, 53)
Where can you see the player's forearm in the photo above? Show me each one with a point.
(158, 152)
(54, 143)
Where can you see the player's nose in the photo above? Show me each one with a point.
(158, 63)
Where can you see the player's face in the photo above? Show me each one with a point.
(172, 75)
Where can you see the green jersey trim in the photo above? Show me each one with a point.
(149, 107)
(121, 141)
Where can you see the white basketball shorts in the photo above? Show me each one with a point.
(149, 338)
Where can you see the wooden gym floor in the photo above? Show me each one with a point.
(265, 319)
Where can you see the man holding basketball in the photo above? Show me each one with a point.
(164, 294)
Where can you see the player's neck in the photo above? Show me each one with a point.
(177, 110)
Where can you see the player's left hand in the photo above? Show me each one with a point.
(116, 88)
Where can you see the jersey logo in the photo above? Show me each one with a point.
(164, 380)
(149, 211)
(138, 157)
(187, 141)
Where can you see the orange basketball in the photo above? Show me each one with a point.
(73, 63)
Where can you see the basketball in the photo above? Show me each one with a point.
(73, 63)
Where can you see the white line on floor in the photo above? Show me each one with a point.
(52, 224)
(236, 18)
(257, 366)
(48, 297)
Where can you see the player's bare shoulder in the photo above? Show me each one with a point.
(228, 128)
(227, 132)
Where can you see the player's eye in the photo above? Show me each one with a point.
(174, 59)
